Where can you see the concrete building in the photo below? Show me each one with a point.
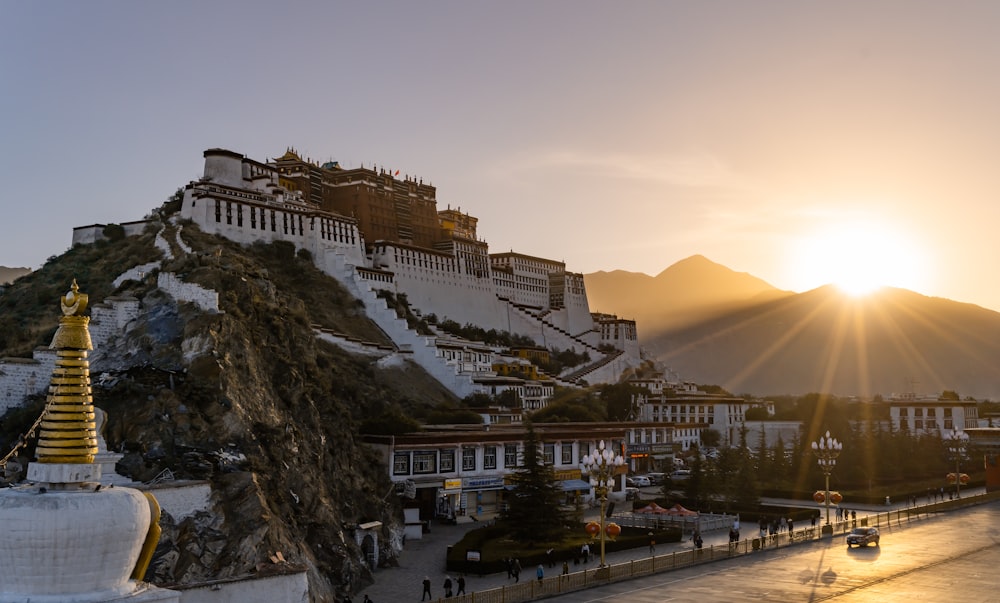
(927, 415)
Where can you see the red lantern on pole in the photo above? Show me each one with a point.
(593, 528)
(964, 478)
(836, 498)
(951, 478)
(612, 530)
(819, 496)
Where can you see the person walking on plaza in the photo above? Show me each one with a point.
(461, 585)
(565, 568)
(540, 573)
(447, 586)
(652, 545)
(517, 570)
(427, 590)
(585, 551)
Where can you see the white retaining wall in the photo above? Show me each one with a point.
(206, 299)
(181, 499)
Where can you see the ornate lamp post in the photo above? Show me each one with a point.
(827, 450)
(957, 443)
(601, 465)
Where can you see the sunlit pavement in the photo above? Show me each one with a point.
(947, 557)
(426, 557)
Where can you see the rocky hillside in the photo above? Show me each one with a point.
(249, 399)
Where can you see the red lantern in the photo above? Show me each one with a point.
(819, 496)
(951, 478)
(593, 528)
(835, 497)
(612, 530)
(964, 478)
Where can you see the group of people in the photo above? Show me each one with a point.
(447, 588)
(513, 568)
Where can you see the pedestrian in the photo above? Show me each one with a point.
(540, 573)
(791, 524)
(812, 520)
(447, 586)
(517, 570)
(550, 556)
(461, 585)
(652, 545)
(510, 567)
(367, 600)
(585, 551)
(427, 590)
(565, 568)
(782, 525)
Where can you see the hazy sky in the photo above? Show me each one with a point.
(802, 142)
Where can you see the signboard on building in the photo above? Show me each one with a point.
(452, 485)
(482, 483)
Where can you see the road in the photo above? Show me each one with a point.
(946, 558)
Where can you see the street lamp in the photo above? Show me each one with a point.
(957, 443)
(827, 450)
(601, 465)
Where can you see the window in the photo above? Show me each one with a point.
(510, 456)
(447, 461)
(948, 424)
(584, 449)
(401, 463)
(490, 457)
(549, 451)
(902, 412)
(918, 412)
(424, 461)
(468, 459)
(567, 454)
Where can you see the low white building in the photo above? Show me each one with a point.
(929, 415)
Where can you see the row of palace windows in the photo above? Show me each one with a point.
(919, 412)
(424, 462)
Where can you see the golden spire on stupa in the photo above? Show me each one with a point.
(67, 432)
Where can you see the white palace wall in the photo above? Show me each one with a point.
(434, 284)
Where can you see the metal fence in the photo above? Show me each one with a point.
(531, 590)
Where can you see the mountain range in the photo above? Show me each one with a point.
(9, 275)
(710, 324)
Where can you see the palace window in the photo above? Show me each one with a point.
(401, 463)
(424, 461)
(468, 459)
(490, 457)
(549, 452)
(510, 456)
(567, 454)
(447, 461)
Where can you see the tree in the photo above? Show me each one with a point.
(619, 399)
(533, 512)
(710, 438)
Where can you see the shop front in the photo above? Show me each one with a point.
(481, 495)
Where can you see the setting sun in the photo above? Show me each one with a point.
(858, 259)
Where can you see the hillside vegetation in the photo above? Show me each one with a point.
(249, 399)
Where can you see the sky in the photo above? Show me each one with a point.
(805, 143)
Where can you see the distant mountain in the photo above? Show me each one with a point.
(824, 341)
(692, 290)
(9, 275)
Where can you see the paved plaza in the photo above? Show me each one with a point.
(426, 556)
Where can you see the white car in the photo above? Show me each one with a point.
(641, 481)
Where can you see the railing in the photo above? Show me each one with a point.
(530, 590)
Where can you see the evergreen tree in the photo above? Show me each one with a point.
(533, 513)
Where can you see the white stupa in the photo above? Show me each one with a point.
(65, 537)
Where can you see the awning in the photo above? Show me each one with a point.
(575, 484)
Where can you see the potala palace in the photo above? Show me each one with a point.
(374, 232)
